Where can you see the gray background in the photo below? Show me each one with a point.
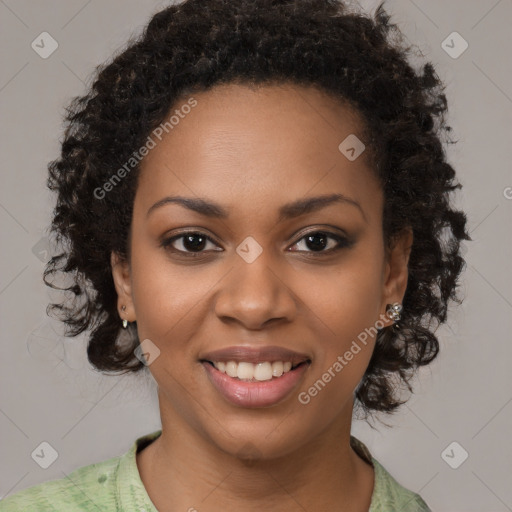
(49, 392)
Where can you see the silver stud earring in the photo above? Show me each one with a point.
(393, 311)
(125, 322)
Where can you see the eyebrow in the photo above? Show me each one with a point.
(287, 211)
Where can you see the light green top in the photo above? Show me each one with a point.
(115, 485)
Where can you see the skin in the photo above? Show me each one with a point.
(251, 150)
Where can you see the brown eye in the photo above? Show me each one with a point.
(318, 241)
(191, 242)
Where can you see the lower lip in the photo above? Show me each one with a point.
(255, 394)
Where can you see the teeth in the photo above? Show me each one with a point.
(249, 371)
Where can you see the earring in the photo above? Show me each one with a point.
(125, 322)
(393, 311)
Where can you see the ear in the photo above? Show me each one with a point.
(122, 281)
(396, 271)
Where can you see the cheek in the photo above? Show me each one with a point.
(348, 306)
(166, 296)
(348, 298)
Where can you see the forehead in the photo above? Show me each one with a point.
(260, 145)
(281, 116)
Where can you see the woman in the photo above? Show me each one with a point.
(254, 205)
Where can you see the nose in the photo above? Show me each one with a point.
(255, 294)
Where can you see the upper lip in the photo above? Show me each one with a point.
(255, 355)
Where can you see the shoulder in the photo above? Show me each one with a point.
(388, 495)
(113, 484)
(89, 487)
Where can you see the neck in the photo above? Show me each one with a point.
(185, 470)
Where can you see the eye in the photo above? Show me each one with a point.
(317, 241)
(190, 242)
(193, 243)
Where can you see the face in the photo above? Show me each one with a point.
(277, 243)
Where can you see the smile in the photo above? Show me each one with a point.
(246, 371)
(254, 393)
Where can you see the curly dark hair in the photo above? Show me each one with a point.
(359, 59)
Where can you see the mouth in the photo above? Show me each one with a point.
(255, 377)
(255, 372)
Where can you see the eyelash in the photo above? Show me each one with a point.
(342, 242)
